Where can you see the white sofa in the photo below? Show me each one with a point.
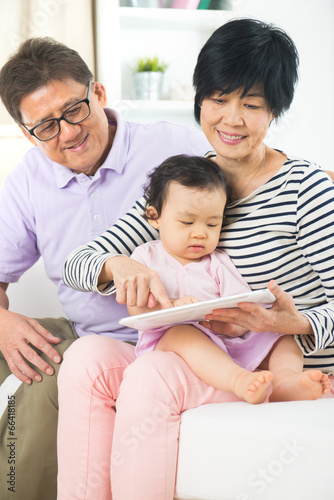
(233, 451)
(273, 451)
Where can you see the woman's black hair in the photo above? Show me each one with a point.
(189, 171)
(243, 53)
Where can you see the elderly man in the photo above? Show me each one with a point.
(86, 171)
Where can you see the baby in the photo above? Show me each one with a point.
(186, 198)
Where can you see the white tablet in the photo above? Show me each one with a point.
(194, 312)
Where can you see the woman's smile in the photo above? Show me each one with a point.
(230, 138)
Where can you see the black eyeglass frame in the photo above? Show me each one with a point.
(62, 117)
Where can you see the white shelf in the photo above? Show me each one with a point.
(152, 111)
(167, 19)
(162, 105)
(174, 35)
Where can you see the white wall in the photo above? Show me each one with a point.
(35, 295)
(13, 146)
(307, 130)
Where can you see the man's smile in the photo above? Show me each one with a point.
(78, 145)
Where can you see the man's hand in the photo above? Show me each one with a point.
(17, 334)
(136, 285)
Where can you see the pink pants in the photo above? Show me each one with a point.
(156, 389)
(88, 381)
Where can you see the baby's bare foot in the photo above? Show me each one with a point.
(308, 385)
(314, 383)
(251, 386)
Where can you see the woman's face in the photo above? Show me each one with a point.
(234, 125)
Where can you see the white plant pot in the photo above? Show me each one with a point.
(148, 85)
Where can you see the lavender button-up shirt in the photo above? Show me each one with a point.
(47, 210)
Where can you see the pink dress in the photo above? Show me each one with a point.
(215, 276)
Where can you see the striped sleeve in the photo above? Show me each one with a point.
(83, 266)
(285, 231)
(315, 236)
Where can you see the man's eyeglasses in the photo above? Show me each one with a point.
(74, 114)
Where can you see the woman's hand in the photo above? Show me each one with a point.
(283, 317)
(136, 285)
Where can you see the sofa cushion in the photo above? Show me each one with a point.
(272, 451)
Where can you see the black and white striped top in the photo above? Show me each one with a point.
(284, 231)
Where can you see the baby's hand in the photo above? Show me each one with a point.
(183, 301)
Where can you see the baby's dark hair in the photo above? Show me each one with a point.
(189, 171)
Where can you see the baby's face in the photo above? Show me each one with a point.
(190, 222)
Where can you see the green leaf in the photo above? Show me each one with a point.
(150, 64)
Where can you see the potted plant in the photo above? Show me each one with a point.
(148, 78)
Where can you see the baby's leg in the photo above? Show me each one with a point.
(290, 382)
(213, 365)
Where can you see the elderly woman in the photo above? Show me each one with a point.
(278, 231)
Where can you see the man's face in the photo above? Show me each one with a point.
(81, 147)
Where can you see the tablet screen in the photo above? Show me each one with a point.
(194, 312)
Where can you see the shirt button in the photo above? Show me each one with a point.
(96, 217)
(185, 272)
(94, 195)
